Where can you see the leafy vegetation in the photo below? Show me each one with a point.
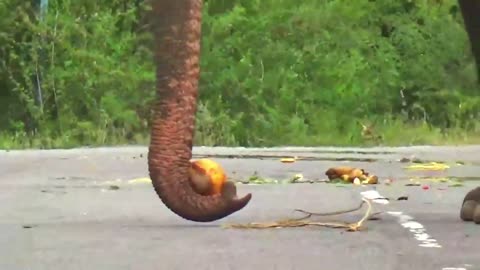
(273, 73)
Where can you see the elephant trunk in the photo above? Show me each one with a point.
(177, 49)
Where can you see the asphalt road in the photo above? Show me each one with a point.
(59, 212)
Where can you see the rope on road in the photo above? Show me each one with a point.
(302, 222)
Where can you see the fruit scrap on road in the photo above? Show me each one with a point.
(431, 166)
(351, 175)
(207, 176)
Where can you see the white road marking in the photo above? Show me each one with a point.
(374, 196)
(419, 232)
(406, 221)
(458, 268)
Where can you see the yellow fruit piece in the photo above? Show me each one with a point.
(207, 176)
(432, 166)
(287, 160)
(140, 180)
(371, 180)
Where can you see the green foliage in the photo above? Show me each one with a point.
(272, 73)
(95, 75)
(304, 72)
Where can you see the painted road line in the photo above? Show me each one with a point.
(418, 230)
(406, 221)
(466, 267)
(374, 196)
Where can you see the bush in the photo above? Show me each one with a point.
(272, 73)
(306, 73)
(95, 75)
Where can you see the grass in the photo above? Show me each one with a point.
(392, 133)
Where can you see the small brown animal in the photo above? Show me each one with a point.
(470, 210)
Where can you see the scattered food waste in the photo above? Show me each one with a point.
(412, 185)
(341, 185)
(425, 187)
(140, 180)
(357, 181)
(305, 220)
(371, 180)
(351, 175)
(207, 176)
(456, 184)
(258, 180)
(288, 160)
(431, 166)
(298, 179)
(452, 182)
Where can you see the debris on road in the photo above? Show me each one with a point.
(412, 185)
(304, 221)
(258, 180)
(341, 185)
(351, 175)
(456, 184)
(140, 180)
(288, 160)
(452, 182)
(431, 166)
(299, 179)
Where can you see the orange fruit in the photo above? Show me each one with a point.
(207, 176)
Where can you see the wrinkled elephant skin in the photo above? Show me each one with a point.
(177, 50)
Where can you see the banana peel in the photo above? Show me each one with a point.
(351, 175)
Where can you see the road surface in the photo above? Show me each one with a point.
(78, 209)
